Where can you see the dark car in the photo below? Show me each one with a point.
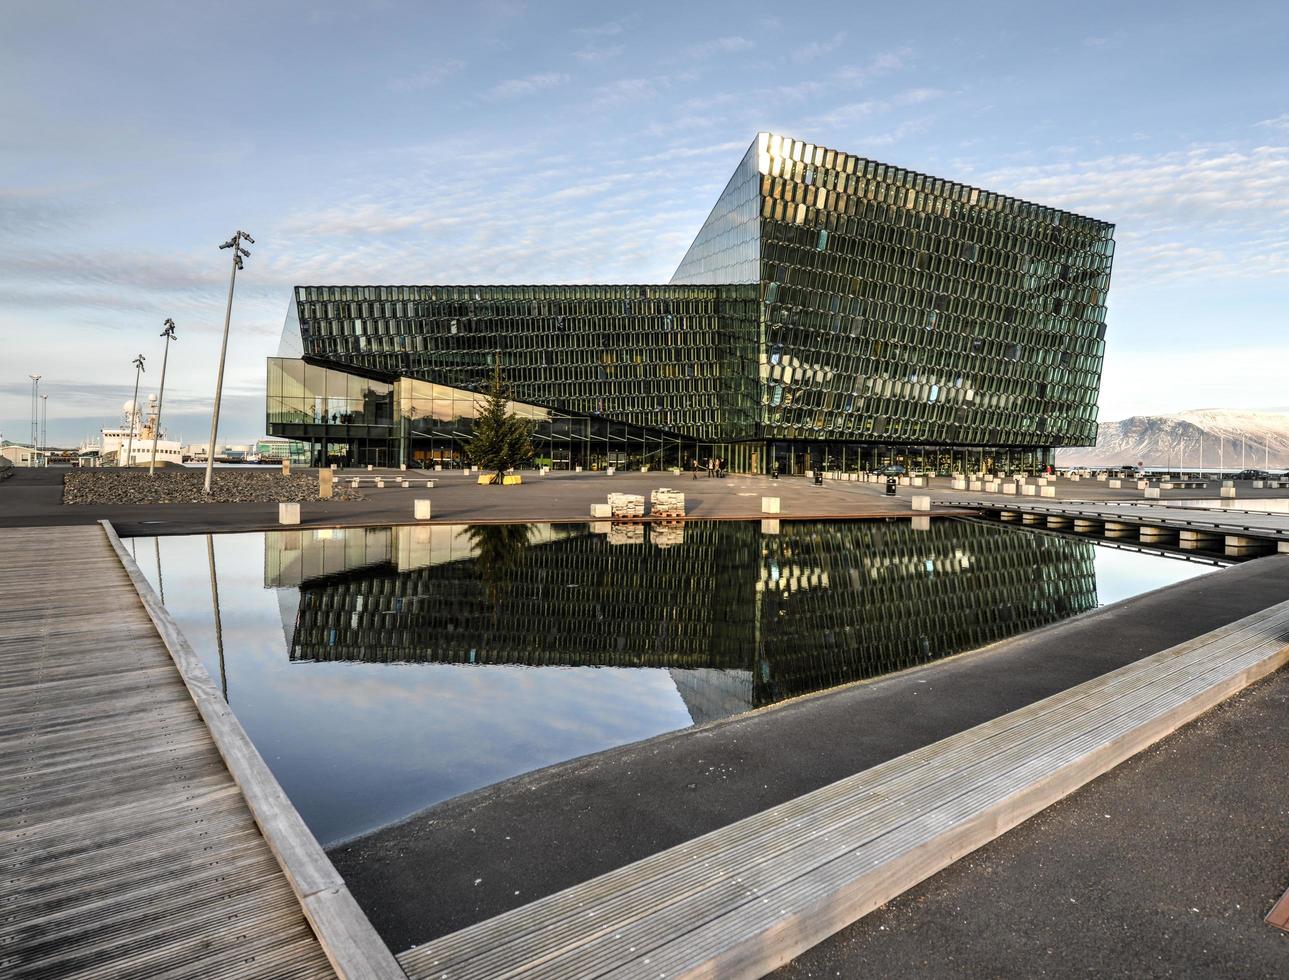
(893, 470)
(1250, 475)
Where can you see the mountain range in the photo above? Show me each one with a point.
(1175, 440)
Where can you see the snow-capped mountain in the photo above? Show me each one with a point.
(1163, 440)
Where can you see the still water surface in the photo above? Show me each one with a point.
(381, 670)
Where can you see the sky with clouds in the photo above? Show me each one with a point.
(512, 142)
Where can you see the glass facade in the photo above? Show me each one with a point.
(832, 309)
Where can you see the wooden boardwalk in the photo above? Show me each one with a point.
(744, 899)
(127, 846)
(1218, 521)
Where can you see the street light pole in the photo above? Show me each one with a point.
(35, 382)
(169, 334)
(235, 243)
(44, 421)
(134, 410)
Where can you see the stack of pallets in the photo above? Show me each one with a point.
(665, 502)
(626, 505)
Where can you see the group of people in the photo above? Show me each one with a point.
(715, 467)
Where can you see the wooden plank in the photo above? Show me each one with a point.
(126, 848)
(1279, 914)
(746, 898)
(346, 935)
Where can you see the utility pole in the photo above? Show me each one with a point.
(169, 334)
(134, 410)
(235, 243)
(35, 382)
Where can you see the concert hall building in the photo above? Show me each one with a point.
(832, 312)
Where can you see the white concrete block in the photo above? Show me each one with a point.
(770, 525)
(609, 470)
(976, 485)
(918, 481)
(1228, 493)
(421, 508)
(370, 467)
(961, 484)
(1115, 484)
(1152, 493)
(769, 505)
(402, 466)
(601, 510)
(1009, 488)
(288, 513)
(921, 502)
(1142, 484)
(1259, 484)
(1047, 491)
(920, 522)
(1029, 490)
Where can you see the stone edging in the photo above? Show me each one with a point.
(343, 930)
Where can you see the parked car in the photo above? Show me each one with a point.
(1250, 475)
(893, 470)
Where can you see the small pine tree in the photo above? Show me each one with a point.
(501, 439)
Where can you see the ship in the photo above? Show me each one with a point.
(134, 435)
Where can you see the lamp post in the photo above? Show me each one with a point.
(44, 421)
(169, 334)
(134, 410)
(235, 243)
(35, 382)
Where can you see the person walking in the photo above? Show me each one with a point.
(711, 466)
(695, 467)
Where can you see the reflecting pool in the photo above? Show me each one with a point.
(380, 670)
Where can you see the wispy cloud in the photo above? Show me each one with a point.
(718, 46)
(880, 64)
(817, 49)
(595, 55)
(1280, 122)
(427, 77)
(518, 88)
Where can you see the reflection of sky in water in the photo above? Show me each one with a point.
(357, 745)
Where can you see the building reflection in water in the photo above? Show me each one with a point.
(739, 617)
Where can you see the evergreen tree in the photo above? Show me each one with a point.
(501, 439)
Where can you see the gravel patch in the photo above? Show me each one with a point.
(185, 486)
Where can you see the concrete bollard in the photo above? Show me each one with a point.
(370, 467)
(403, 467)
(961, 484)
(288, 513)
(1009, 488)
(422, 509)
(1227, 493)
(286, 467)
(610, 470)
(1047, 491)
(1115, 484)
(1029, 490)
(577, 469)
(1259, 484)
(381, 484)
(601, 510)
(920, 522)
(1152, 493)
(325, 478)
(918, 481)
(921, 502)
(769, 505)
(770, 525)
(974, 485)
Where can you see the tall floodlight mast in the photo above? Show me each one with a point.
(134, 410)
(35, 382)
(169, 334)
(235, 243)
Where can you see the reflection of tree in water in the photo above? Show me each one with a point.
(499, 552)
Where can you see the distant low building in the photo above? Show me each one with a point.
(277, 450)
(24, 455)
